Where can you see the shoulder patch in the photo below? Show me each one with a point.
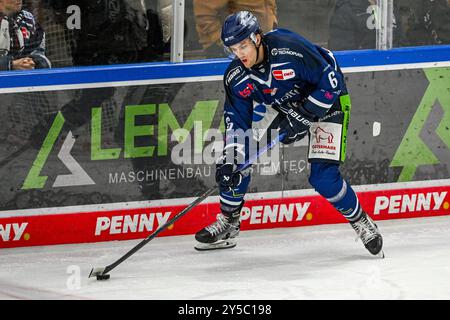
(232, 74)
(284, 51)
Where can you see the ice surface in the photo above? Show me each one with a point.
(320, 262)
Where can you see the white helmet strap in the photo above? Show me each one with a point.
(253, 37)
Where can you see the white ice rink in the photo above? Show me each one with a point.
(321, 262)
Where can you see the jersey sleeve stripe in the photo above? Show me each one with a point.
(318, 103)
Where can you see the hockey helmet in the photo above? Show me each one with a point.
(239, 26)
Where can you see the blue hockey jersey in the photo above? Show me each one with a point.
(294, 69)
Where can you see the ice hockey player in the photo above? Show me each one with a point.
(304, 87)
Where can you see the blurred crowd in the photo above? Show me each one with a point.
(60, 33)
(353, 23)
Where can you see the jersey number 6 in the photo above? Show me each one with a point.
(333, 80)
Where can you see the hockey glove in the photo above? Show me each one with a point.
(296, 123)
(225, 177)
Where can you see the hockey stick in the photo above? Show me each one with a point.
(102, 272)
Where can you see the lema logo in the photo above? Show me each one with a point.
(78, 175)
(203, 112)
(414, 151)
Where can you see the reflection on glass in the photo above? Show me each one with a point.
(335, 24)
(425, 22)
(353, 25)
(103, 32)
(309, 18)
(340, 25)
(205, 18)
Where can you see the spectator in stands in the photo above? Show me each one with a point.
(209, 16)
(22, 40)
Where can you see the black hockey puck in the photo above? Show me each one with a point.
(103, 277)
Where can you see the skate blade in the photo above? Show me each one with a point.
(223, 244)
(380, 254)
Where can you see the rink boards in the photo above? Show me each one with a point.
(118, 179)
(119, 222)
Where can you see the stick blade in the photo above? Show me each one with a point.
(96, 272)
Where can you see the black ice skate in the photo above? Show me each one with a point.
(219, 235)
(368, 233)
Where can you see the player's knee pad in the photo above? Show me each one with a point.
(326, 178)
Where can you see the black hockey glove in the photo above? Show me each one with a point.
(295, 126)
(225, 177)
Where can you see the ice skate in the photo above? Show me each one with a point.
(368, 233)
(219, 235)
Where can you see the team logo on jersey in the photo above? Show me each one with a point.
(259, 111)
(321, 134)
(328, 95)
(283, 51)
(283, 74)
(233, 73)
(25, 33)
(247, 91)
